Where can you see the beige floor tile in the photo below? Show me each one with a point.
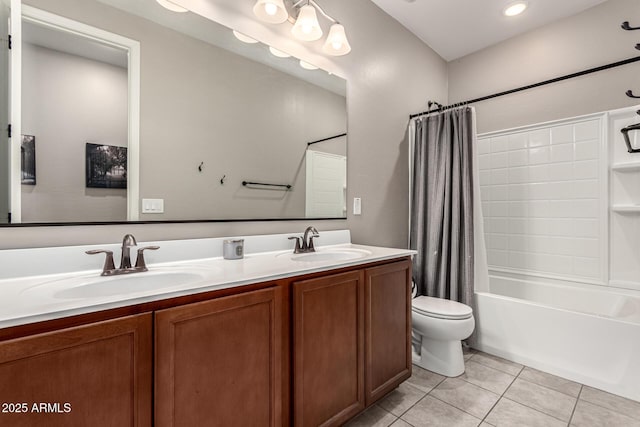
(467, 352)
(431, 412)
(399, 400)
(551, 402)
(424, 380)
(400, 423)
(375, 416)
(486, 377)
(466, 396)
(551, 381)
(508, 413)
(618, 404)
(498, 363)
(590, 415)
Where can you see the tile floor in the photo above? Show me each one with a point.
(497, 392)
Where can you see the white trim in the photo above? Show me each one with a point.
(625, 284)
(533, 273)
(15, 111)
(525, 128)
(60, 23)
(605, 194)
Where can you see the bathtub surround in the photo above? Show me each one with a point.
(544, 199)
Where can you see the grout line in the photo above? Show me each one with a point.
(422, 398)
(537, 410)
(498, 401)
(500, 370)
(576, 405)
(459, 409)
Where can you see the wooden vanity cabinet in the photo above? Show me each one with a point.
(328, 349)
(351, 341)
(313, 350)
(218, 362)
(93, 375)
(387, 328)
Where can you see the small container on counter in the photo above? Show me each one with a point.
(233, 249)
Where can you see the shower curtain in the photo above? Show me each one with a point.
(445, 224)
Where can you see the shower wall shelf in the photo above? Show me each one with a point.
(626, 167)
(626, 208)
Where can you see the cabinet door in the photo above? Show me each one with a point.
(328, 349)
(388, 328)
(218, 362)
(94, 375)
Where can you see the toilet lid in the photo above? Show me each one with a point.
(441, 308)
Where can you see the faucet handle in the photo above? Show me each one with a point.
(140, 264)
(298, 247)
(109, 265)
(310, 247)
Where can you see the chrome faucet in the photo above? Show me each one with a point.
(109, 268)
(304, 243)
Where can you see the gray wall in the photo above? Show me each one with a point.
(68, 101)
(589, 39)
(390, 74)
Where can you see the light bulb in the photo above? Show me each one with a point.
(271, 9)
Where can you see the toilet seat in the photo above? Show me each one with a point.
(441, 308)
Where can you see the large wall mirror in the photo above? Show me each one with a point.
(223, 129)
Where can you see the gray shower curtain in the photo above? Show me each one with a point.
(442, 205)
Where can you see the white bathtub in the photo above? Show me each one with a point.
(584, 333)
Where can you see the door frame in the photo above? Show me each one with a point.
(40, 17)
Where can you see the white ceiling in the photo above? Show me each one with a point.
(455, 28)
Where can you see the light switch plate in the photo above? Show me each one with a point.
(153, 206)
(357, 206)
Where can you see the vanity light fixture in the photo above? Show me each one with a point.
(306, 26)
(243, 38)
(271, 11)
(307, 66)
(278, 53)
(516, 8)
(172, 6)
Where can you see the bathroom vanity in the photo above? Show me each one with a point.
(306, 342)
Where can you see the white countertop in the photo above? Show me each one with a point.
(43, 297)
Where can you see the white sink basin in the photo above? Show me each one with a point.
(94, 286)
(328, 255)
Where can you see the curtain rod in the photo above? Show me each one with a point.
(534, 85)
(326, 139)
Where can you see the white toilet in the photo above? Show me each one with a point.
(439, 325)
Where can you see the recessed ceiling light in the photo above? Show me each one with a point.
(278, 53)
(243, 38)
(172, 6)
(515, 8)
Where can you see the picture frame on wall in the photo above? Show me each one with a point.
(28, 160)
(106, 166)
